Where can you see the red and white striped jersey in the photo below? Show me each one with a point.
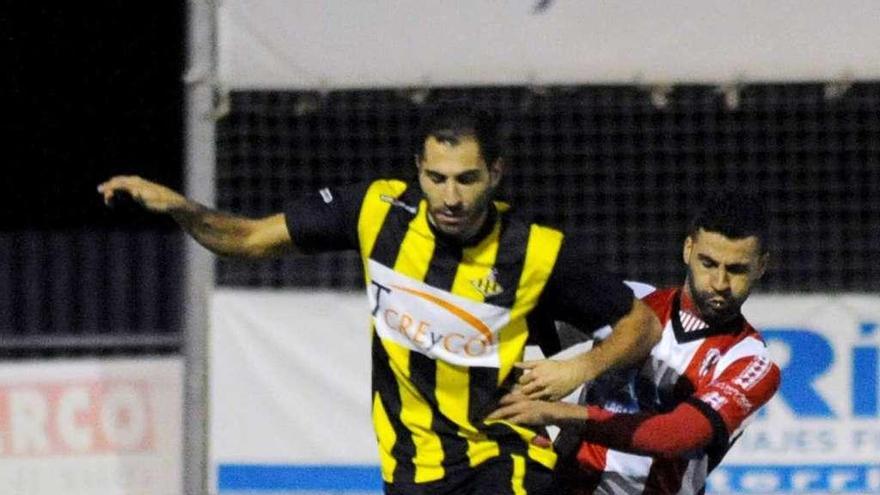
(726, 373)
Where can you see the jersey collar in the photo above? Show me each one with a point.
(688, 325)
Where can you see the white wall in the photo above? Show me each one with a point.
(394, 43)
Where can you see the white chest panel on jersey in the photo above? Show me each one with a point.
(434, 322)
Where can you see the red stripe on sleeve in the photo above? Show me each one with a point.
(685, 429)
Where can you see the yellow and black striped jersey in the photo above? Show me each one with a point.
(449, 320)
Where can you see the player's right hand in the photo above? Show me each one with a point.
(550, 379)
(152, 196)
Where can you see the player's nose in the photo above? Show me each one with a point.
(451, 196)
(720, 281)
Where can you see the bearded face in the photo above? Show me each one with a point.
(721, 273)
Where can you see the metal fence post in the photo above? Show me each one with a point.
(199, 263)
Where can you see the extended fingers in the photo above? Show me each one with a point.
(130, 184)
(526, 412)
(534, 386)
(117, 182)
(120, 182)
(503, 412)
(517, 412)
(527, 365)
(533, 390)
(513, 397)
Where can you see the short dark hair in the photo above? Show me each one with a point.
(451, 121)
(733, 214)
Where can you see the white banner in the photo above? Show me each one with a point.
(290, 392)
(91, 427)
(290, 377)
(290, 382)
(329, 44)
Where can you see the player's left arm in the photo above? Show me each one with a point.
(589, 298)
(684, 429)
(707, 418)
(738, 390)
(631, 340)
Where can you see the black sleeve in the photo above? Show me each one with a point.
(582, 293)
(326, 220)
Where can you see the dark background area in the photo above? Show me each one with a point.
(91, 89)
(606, 161)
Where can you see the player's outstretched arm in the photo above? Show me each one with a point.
(221, 233)
(631, 340)
(682, 430)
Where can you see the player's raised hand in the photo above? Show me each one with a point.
(549, 379)
(152, 196)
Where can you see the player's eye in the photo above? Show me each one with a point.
(469, 178)
(737, 269)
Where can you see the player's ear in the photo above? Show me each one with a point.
(496, 171)
(763, 261)
(687, 249)
(417, 160)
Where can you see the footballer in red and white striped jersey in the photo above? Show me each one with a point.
(660, 425)
(716, 375)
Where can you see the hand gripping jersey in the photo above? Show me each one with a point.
(450, 320)
(725, 373)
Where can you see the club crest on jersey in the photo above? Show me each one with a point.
(709, 361)
(488, 286)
